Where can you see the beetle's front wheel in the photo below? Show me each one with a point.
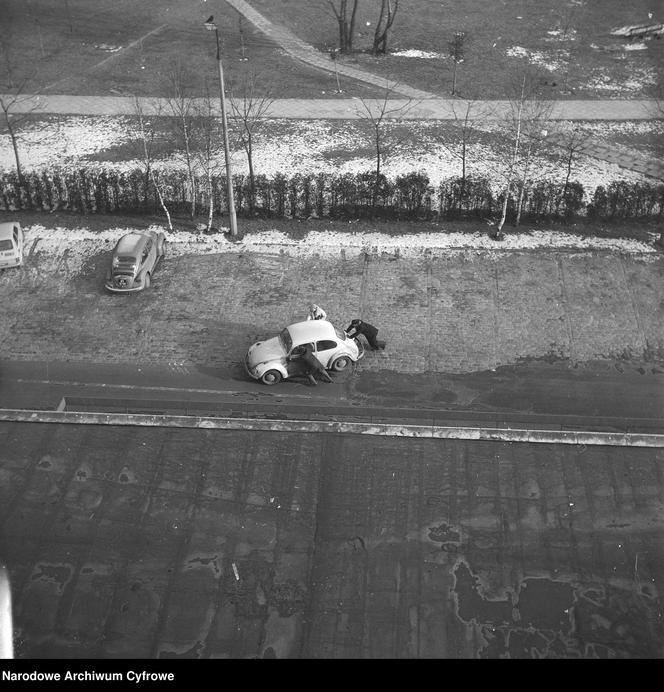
(271, 377)
(341, 363)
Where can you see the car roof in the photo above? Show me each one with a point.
(6, 229)
(129, 243)
(311, 330)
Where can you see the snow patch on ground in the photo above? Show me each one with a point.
(539, 58)
(62, 141)
(72, 247)
(108, 47)
(558, 60)
(413, 53)
(560, 35)
(639, 77)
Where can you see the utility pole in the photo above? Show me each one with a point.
(211, 26)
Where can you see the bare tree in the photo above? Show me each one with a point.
(388, 12)
(250, 108)
(35, 18)
(16, 102)
(535, 133)
(68, 11)
(146, 134)
(377, 112)
(333, 58)
(180, 101)
(466, 114)
(12, 121)
(206, 161)
(657, 94)
(572, 142)
(456, 51)
(567, 16)
(345, 12)
(523, 135)
(244, 57)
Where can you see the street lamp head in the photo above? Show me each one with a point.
(209, 23)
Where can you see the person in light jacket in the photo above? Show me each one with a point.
(316, 312)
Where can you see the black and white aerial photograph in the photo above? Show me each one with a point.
(329, 330)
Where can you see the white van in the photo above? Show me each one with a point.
(11, 244)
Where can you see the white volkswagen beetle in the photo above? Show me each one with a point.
(11, 244)
(277, 358)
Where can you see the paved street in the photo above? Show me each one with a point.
(464, 312)
(153, 542)
(591, 396)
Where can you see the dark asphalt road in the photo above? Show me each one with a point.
(609, 389)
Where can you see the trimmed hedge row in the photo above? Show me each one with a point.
(93, 190)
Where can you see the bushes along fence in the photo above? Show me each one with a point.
(94, 190)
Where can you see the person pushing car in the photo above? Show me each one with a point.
(313, 366)
(369, 332)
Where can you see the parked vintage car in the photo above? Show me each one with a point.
(11, 244)
(135, 257)
(278, 358)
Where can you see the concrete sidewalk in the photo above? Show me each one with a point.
(349, 109)
(300, 50)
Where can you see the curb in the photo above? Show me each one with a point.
(569, 437)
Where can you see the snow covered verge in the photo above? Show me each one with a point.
(318, 146)
(75, 246)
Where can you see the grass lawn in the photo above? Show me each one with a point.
(596, 61)
(58, 51)
(407, 146)
(58, 42)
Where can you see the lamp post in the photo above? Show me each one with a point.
(211, 26)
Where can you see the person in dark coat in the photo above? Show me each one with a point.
(313, 366)
(369, 332)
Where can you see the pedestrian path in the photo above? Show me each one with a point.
(622, 156)
(300, 50)
(347, 108)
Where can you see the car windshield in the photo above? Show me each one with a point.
(286, 340)
(6, 245)
(341, 335)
